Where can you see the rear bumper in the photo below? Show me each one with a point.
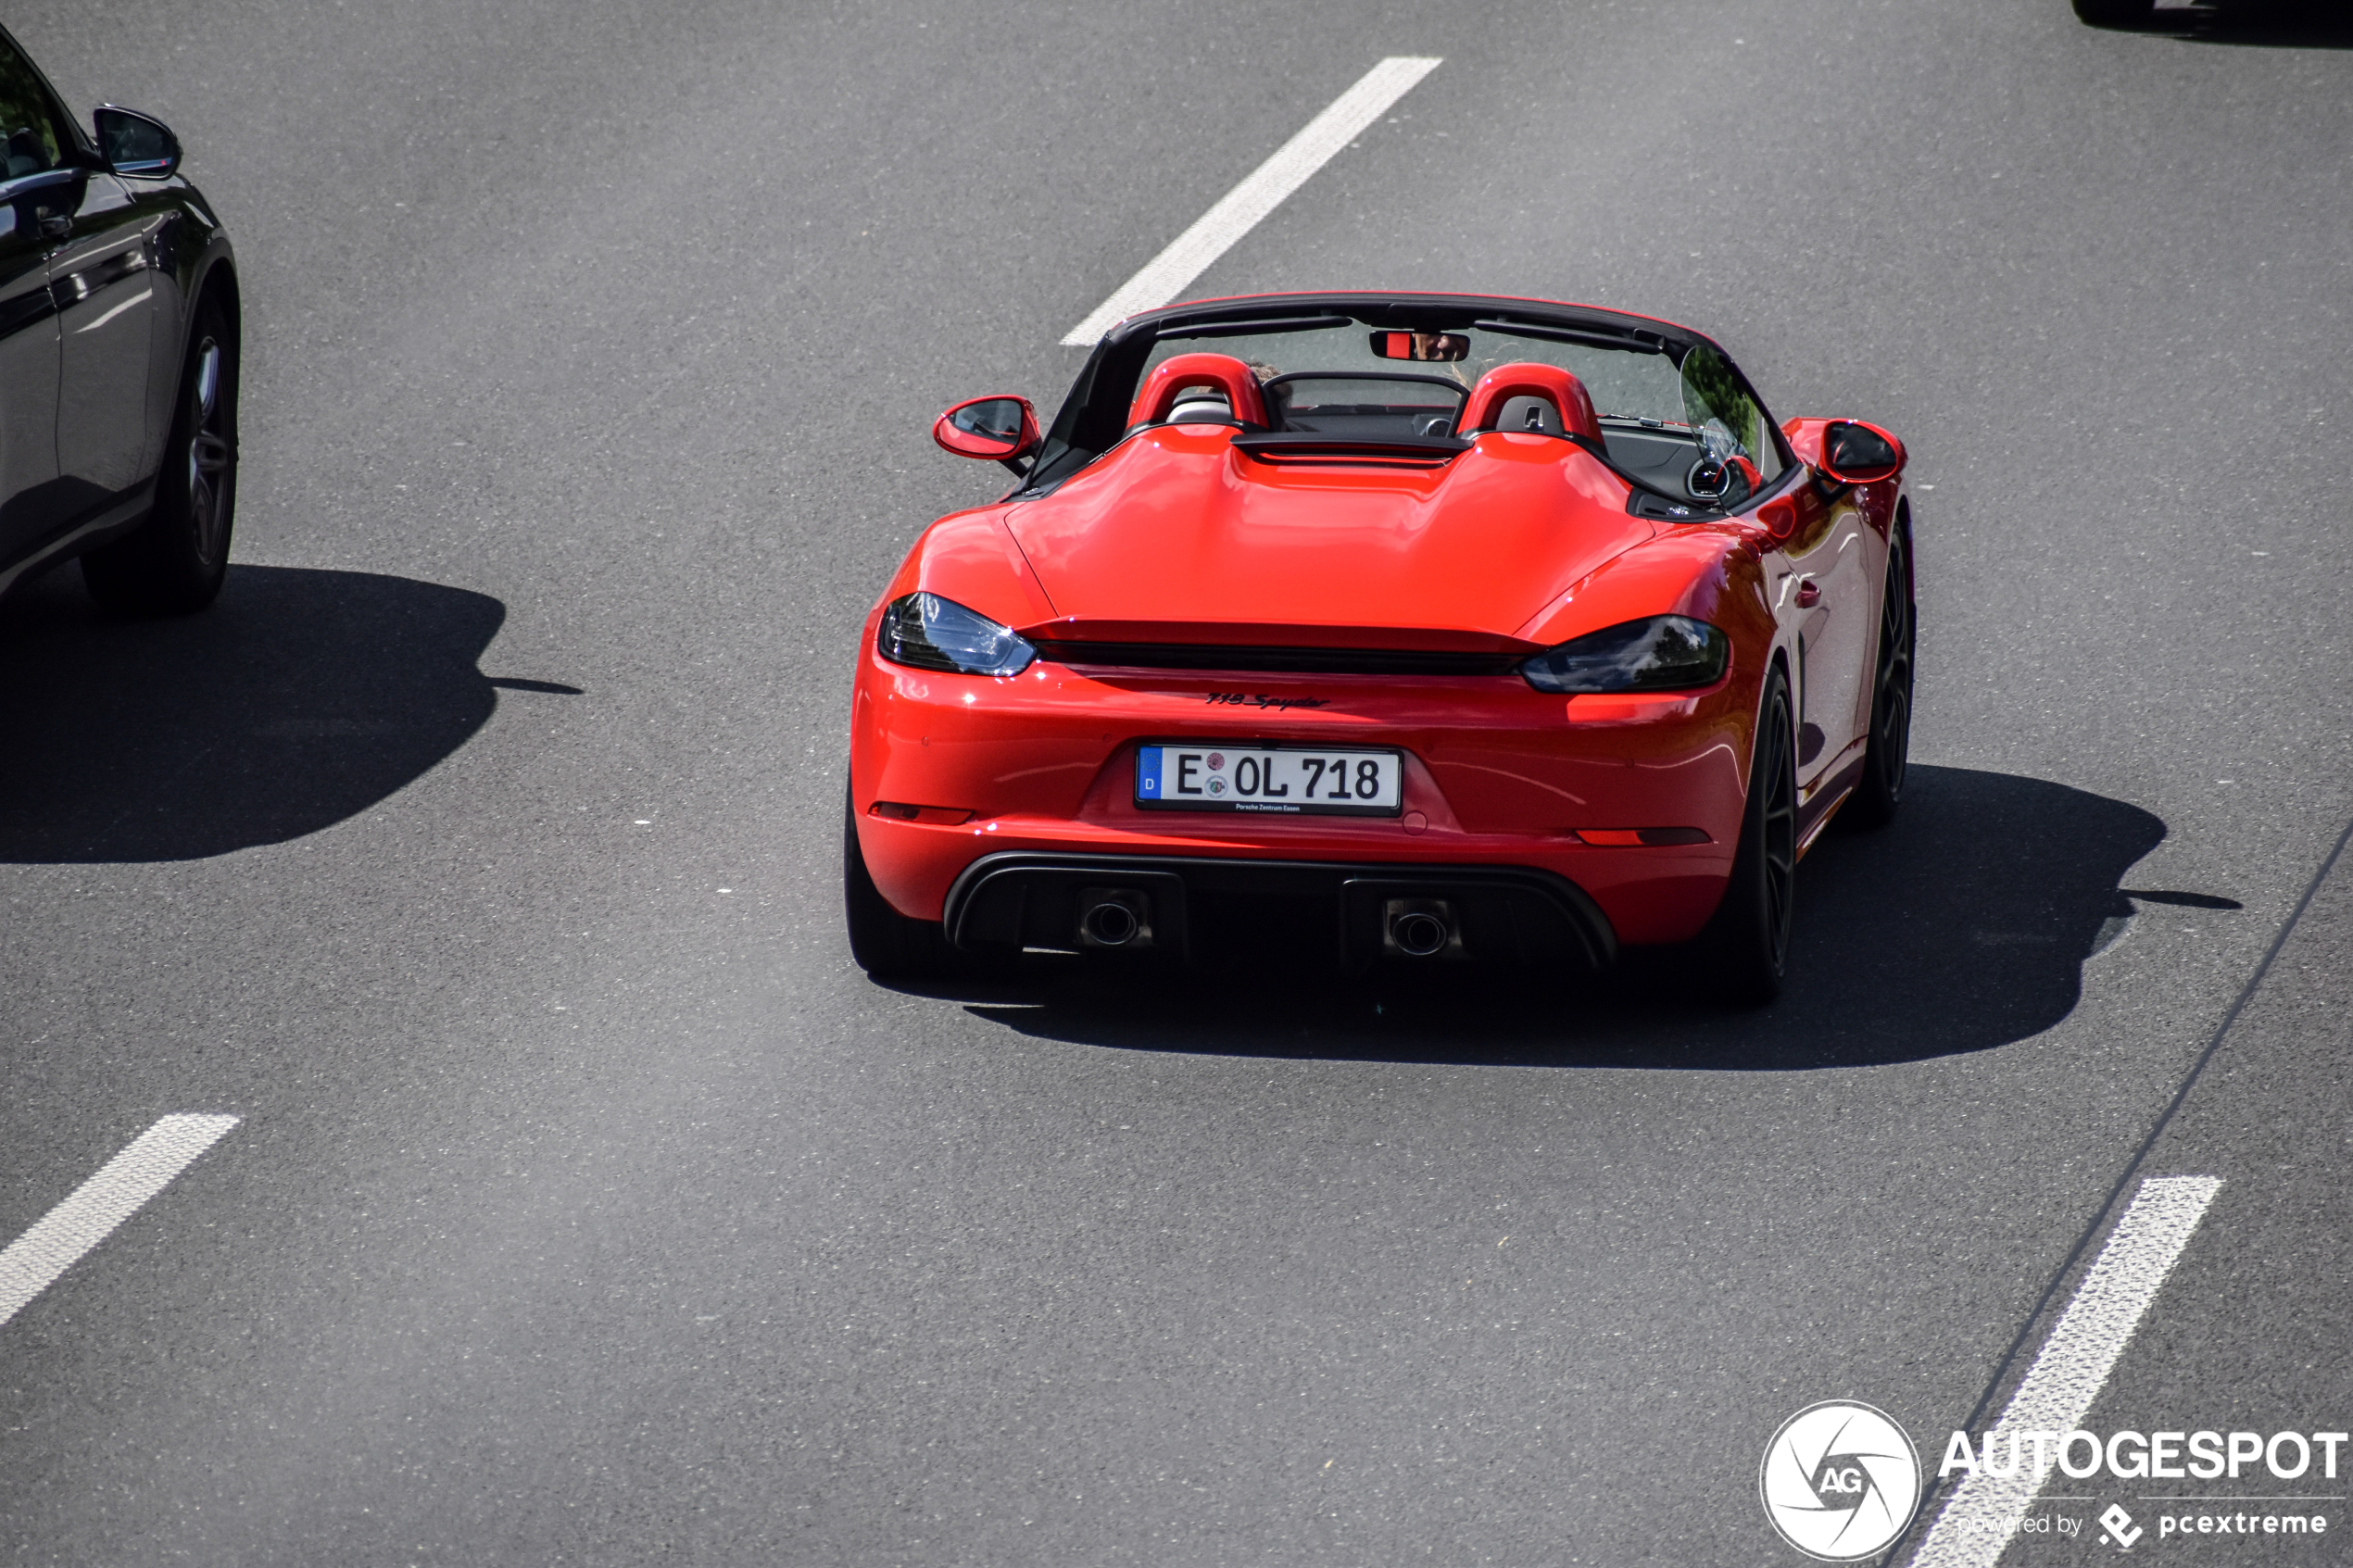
(1186, 904)
(1498, 778)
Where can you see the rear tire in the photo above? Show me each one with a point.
(1887, 752)
(1747, 942)
(172, 564)
(886, 944)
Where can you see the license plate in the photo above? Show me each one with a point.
(1290, 780)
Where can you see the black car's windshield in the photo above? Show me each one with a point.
(1673, 418)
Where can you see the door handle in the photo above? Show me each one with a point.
(1809, 595)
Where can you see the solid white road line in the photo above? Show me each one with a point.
(59, 1238)
(1979, 1519)
(1191, 253)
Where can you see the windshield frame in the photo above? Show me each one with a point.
(1093, 418)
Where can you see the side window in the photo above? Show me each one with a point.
(1726, 414)
(28, 129)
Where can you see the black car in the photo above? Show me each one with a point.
(119, 317)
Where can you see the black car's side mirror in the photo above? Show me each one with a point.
(135, 145)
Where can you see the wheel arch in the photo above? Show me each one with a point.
(210, 277)
(215, 283)
(1778, 661)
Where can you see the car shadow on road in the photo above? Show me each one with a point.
(1965, 925)
(298, 700)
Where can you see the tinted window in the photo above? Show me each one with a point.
(26, 119)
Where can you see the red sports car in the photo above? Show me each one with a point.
(1420, 628)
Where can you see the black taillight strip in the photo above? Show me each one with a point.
(1305, 662)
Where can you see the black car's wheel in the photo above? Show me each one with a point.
(1884, 754)
(2116, 13)
(885, 943)
(174, 562)
(1748, 940)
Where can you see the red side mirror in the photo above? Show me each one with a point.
(1000, 427)
(1854, 452)
(1847, 451)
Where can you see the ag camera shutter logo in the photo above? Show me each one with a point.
(1840, 1481)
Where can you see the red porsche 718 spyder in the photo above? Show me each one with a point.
(1435, 627)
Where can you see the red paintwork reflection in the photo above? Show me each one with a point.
(1175, 526)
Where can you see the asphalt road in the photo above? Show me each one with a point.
(589, 1206)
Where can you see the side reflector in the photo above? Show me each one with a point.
(942, 816)
(1630, 838)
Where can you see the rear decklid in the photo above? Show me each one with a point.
(1174, 537)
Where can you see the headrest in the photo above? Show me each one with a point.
(1172, 377)
(1552, 384)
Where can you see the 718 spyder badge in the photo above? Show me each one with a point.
(1243, 699)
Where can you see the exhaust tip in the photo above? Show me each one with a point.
(1420, 935)
(1110, 925)
(1113, 917)
(1421, 928)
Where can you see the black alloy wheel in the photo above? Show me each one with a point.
(1749, 937)
(886, 944)
(173, 563)
(1887, 752)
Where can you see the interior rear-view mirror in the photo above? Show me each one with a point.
(1854, 452)
(135, 145)
(1443, 348)
(1002, 428)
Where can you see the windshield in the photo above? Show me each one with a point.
(1633, 385)
(1679, 423)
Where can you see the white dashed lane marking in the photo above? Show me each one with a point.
(1976, 1524)
(1189, 254)
(59, 1238)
